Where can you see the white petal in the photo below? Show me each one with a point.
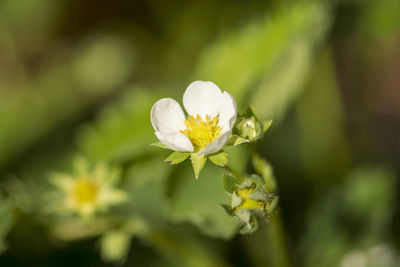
(110, 196)
(215, 145)
(167, 116)
(62, 181)
(175, 141)
(228, 112)
(86, 210)
(202, 98)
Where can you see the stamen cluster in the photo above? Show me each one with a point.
(85, 191)
(201, 132)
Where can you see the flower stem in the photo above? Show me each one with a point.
(236, 174)
(263, 167)
(274, 233)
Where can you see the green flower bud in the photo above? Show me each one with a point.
(248, 126)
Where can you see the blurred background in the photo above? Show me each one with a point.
(80, 77)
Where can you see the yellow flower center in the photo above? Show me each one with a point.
(201, 132)
(85, 191)
(247, 202)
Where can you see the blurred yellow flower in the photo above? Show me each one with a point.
(87, 191)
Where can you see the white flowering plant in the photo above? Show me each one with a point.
(204, 131)
(211, 122)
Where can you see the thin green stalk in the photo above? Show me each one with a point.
(275, 234)
(236, 174)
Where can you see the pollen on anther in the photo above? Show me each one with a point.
(201, 132)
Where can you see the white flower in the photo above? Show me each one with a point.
(211, 116)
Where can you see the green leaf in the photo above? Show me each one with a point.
(177, 157)
(235, 140)
(219, 159)
(159, 144)
(59, 92)
(228, 209)
(238, 59)
(198, 162)
(229, 183)
(266, 125)
(113, 136)
(197, 201)
(146, 182)
(182, 248)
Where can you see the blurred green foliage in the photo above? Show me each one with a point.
(80, 77)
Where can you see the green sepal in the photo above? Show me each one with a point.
(219, 159)
(249, 228)
(266, 125)
(229, 183)
(249, 112)
(248, 221)
(273, 205)
(257, 179)
(236, 200)
(177, 157)
(235, 140)
(259, 195)
(159, 144)
(198, 162)
(244, 216)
